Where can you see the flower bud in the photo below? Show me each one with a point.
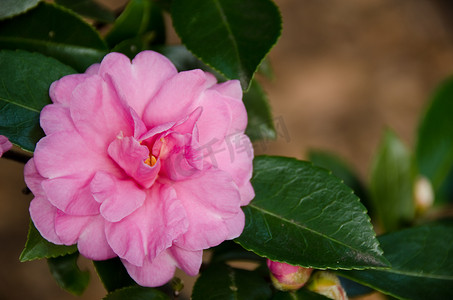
(327, 284)
(286, 277)
(423, 194)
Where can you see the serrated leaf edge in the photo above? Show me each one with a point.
(247, 87)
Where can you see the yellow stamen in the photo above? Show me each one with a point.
(151, 161)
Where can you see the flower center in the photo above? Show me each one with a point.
(151, 160)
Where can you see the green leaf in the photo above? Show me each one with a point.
(391, 184)
(232, 36)
(354, 289)
(342, 170)
(230, 250)
(113, 274)
(131, 47)
(56, 32)
(10, 8)
(303, 215)
(184, 60)
(137, 293)
(220, 281)
(90, 9)
(37, 247)
(422, 263)
(138, 18)
(24, 90)
(445, 191)
(260, 124)
(434, 148)
(301, 294)
(68, 275)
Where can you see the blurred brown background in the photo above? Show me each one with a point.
(344, 70)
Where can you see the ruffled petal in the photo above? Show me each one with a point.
(87, 231)
(137, 82)
(215, 122)
(118, 198)
(61, 90)
(235, 225)
(66, 153)
(5, 144)
(153, 272)
(177, 96)
(69, 228)
(186, 260)
(92, 242)
(98, 114)
(32, 178)
(71, 195)
(55, 118)
(232, 96)
(235, 156)
(43, 215)
(150, 229)
(131, 156)
(208, 199)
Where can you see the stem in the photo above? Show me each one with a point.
(16, 156)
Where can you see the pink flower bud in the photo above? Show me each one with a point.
(423, 195)
(286, 277)
(327, 284)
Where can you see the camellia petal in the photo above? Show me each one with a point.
(137, 82)
(5, 144)
(138, 162)
(138, 235)
(154, 272)
(188, 261)
(43, 215)
(118, 198)
(208, 199)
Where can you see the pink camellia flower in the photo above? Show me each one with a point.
(142, 162)
(5, 144)
(287, 277)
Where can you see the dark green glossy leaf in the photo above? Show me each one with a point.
(138, 18)
(260, 124)
(131, 47)
(354, 289)
(184, 60)
(56, 32)
(220, 281)
(68, 275)
(301, 294)
(303, 215)
(37, 247)
(342, 170)
(113, 274)
(10, 8)
(230, 250)
(137, 293)
(89, 8)
(434, 148)
(26, 78)
(445, 191)
(422, 263)
(232, 36)
(391, 184)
